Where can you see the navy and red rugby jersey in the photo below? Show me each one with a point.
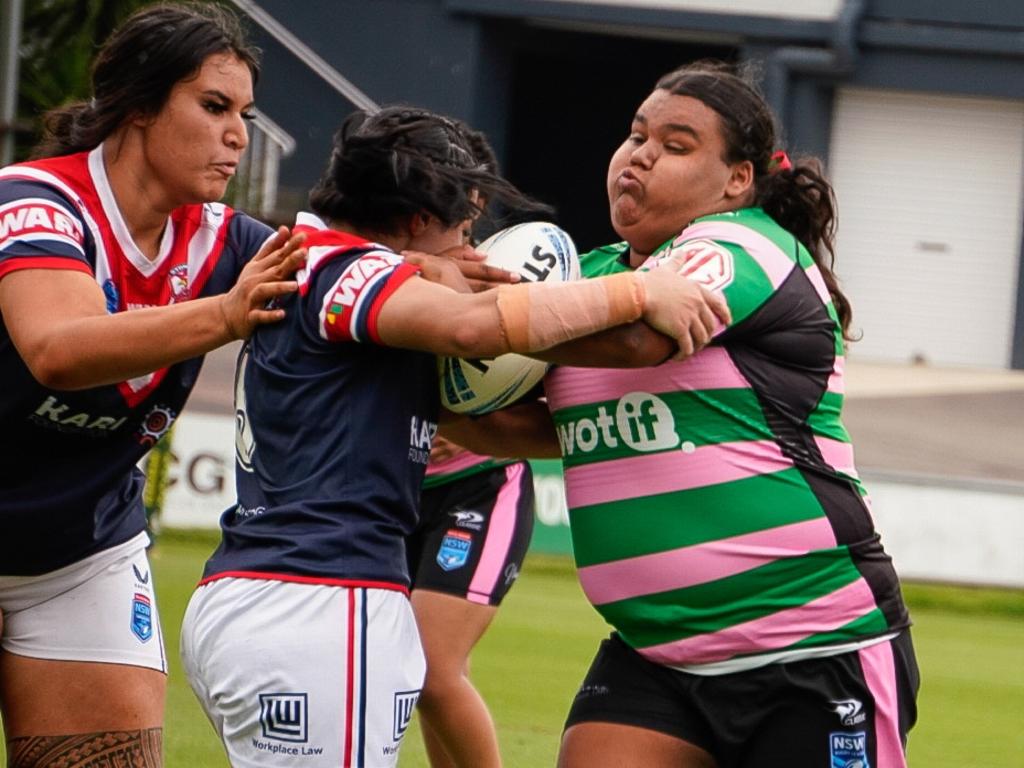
(333, 428)
(69, 486)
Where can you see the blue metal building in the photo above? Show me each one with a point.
(917, 107)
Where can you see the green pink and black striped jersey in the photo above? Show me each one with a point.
(459, 466)
(715, 510)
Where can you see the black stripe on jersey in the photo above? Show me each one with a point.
(786, 350)
(851, 522)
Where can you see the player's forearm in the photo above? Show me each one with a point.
(513, 318)
(522, 431)
(531, 318)
(105, 349)
(636, 345)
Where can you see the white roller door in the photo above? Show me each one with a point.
(929, 191)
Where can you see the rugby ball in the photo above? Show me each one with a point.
(540, 252)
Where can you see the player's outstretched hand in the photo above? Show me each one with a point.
(442, 450)
(468, 263)
(681, 308)
(267, 276)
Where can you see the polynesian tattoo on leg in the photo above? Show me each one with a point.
(105, 749)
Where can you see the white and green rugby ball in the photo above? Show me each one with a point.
(540, 252)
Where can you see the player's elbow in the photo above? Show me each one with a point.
(640, 346)
(472, 339)
(54, 366)
(52, 374)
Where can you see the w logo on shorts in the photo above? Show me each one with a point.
(405, 703)
(283, 716)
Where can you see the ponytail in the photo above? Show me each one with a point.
(74, 128)
(800, 199)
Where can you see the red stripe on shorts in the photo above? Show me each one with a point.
(350, 682)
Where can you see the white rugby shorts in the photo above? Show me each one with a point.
(102, 608)
(305, 675)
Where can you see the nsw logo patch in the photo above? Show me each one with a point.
(848, 750)
(142, 617)
(455, 549)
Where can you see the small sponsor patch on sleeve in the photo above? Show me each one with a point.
(351, 302)
(39, 220)
(706, 262)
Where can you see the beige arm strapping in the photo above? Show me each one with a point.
(537, 316)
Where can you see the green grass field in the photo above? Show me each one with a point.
(970, 646)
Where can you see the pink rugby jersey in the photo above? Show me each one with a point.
(715, 510)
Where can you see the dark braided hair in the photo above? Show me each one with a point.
(401, 161)
(800, 198)
(135, 70)
(499, 215)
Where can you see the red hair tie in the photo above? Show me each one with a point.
(780, 162)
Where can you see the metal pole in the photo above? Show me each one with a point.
(10, 37)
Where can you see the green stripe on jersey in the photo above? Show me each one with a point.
(750, 289)
(831, 403)
(872, 623)
(605, 260)
(604, 533)
(826, 418)
(759, 221)
(681, 613)
(590, 433)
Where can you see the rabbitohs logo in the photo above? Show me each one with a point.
(703, 261)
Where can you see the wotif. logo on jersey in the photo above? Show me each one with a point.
(641, 420)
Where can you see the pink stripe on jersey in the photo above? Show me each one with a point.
(711, 368)
(460, 461)
(702, 563)
(770, 633)
(500, 532)
(814, 275)
(837, 454)
(880, 675)
(776, 264)
(837, 381)
(669, 471)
